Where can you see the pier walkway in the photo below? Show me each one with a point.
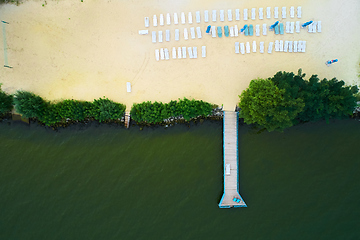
(231, 162)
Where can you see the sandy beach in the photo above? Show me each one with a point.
(86, 50)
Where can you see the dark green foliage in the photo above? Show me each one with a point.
(156, 112)
(324, 99)
(29, 105)
(104, 109)
(267, 106)
(72, 109)
(6, 102)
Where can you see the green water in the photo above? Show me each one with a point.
(104, 182)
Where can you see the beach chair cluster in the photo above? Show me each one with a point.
(157, 36)
(220, 15)
(314, 27)
(280, 46)
(179, 53)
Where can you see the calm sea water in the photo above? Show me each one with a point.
(104, 182)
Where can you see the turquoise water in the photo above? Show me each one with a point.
(105, 182)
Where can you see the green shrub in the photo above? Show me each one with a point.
(193, 108)
(29, 105)
(104, 109)
(72, 109)
(6, 102)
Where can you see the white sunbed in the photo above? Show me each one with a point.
(281, 46)
(147, 22)
(227, 169)
(198, 16)
(161, 20)
(222, 16)
(190, 18)
(257, 30)
(179, 53)
(237, 47)
(203, 51)
(277, 45)
(292, 12)
(292, 26)
(167, 35)
(268, 12)
(297, 26)
(247, 47)
(253, 13)
(314, 26)
(245, 14)
(174, 53)
(167, 56)
(242, 48)
(155, 21)
(160, 36)
(190, 52)
(213, 31)
(290, 46)
(283, 12)
(310, 28)
(168, 19)
(276, 12)
(128, 87)
(270, 47)
(287, 28)
(261, 47)
(157, 54)
(237, 14)
(198, 31)
(206, 16)
(183, 52)
(254, 46)
(229, 15)
(192, 32)
(295, 46)
(186, 34)
(195, 52)
(286, 46)
(143, 32)
(153, 33)
(231, 31)
(177, 34)
(303, 46)
(236, 31)
(162, 54)
(214, 15)
(264, 29)
(176, 19)
(183, 19)
(299, 12)
(319, 26)
(299, 46)
(261, 13)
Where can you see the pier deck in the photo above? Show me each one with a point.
(230, 148)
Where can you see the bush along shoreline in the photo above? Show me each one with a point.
(286, 99)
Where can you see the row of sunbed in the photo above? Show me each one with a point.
(181, 52)
(182, 17)
(177, 34)
(280, 46)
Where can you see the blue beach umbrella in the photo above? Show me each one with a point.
(274, 25)
(208, 29)
(243, 29)
(307, 23)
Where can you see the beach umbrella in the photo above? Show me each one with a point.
(208, 29)
(307, 23)
(274, 25)
(243, 29)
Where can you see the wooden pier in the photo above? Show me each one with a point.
(127, 119)
(231, 162)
